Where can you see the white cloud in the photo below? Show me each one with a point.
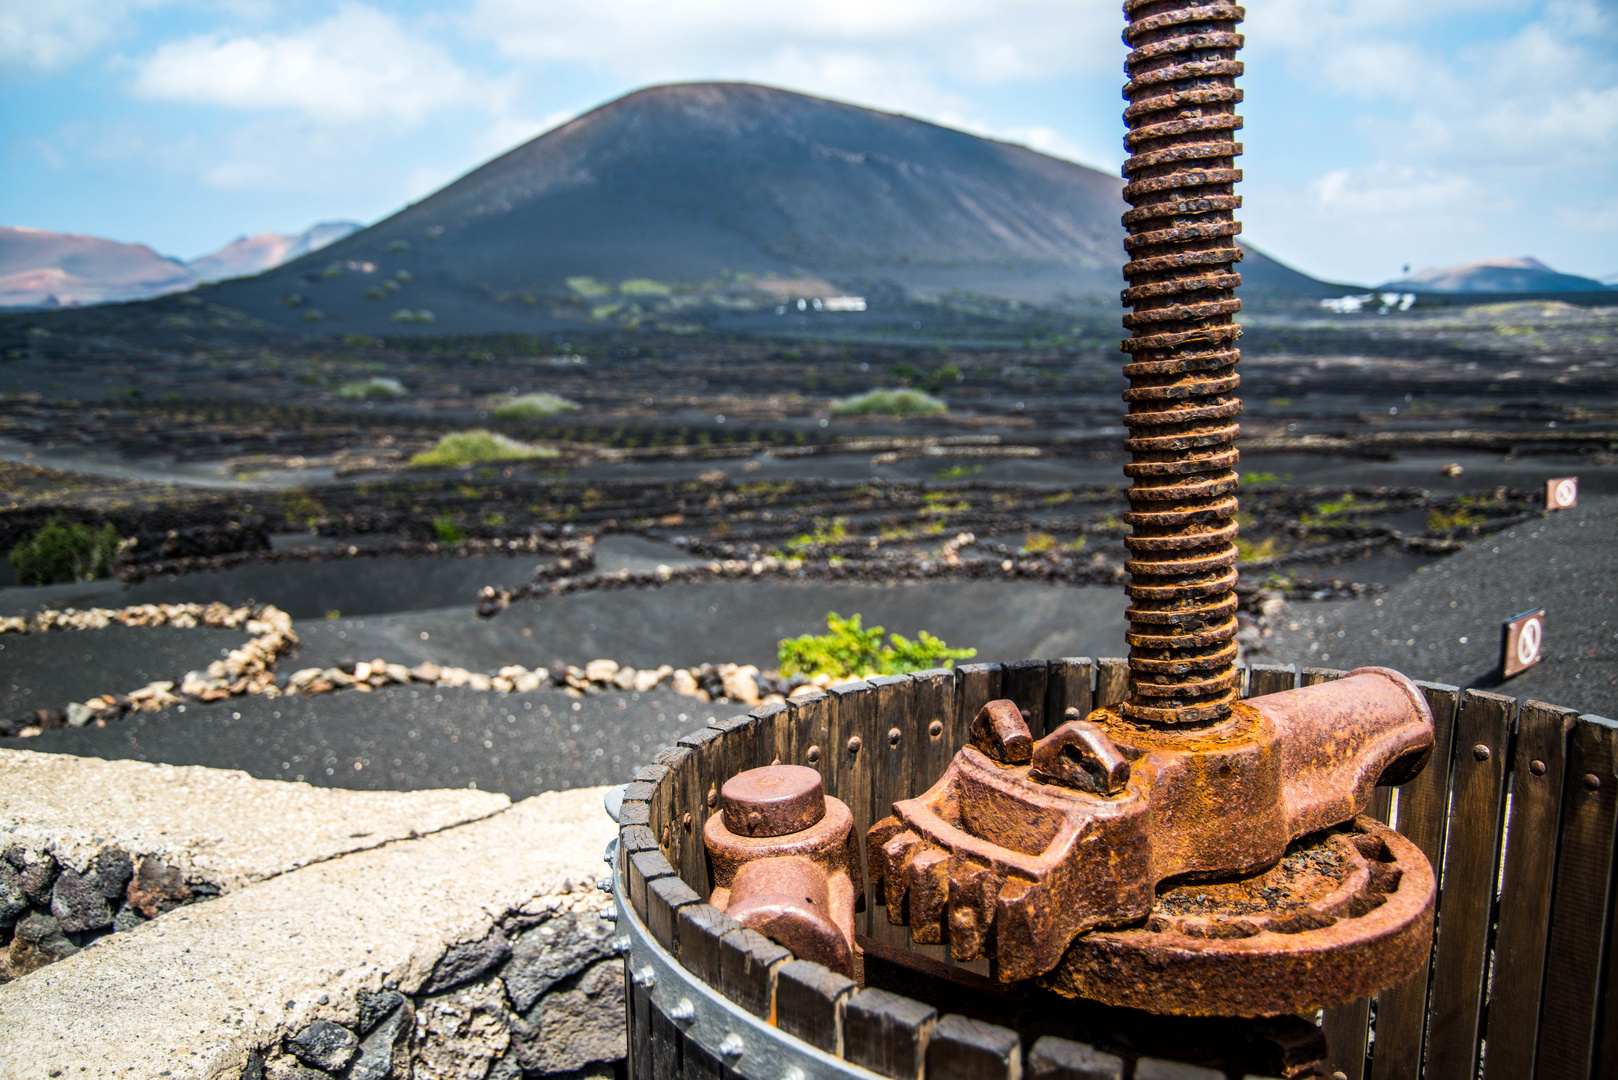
(996, 39)
(925, 58)
(1384, 191)
(357, 65)
(896, 54)
(45, 35)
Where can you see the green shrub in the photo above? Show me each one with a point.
(644, 287)
(1459, 518)
(64, 551)
(890, 403)
(473, 447)
(380, 386)
(447, 531)
(850, 649)
(588, 287)
(534, 407)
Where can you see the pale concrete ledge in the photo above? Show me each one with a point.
(486, 930)
(217, 826)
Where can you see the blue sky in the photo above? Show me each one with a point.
(1379, 132)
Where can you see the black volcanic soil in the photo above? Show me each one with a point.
(423, 736)
(222, 445)
(1443, 623)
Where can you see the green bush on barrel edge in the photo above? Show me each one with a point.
(63, 551)
(851, 649)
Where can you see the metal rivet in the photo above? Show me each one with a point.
(854, 745)
(1537, 767)
(1480, 752)
(894, 735)
(645, 977)
(683, 1012)
(813, 755)
(620, 945)
(1592, 781)
(731, 1045)
(936, 728)
(713, 795)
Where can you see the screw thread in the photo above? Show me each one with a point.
(1182, 372)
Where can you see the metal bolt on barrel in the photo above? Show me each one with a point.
(1182, 372)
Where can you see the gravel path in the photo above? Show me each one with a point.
(301, 589)
(412, 737)
(736, 621)
(46, 671)
(405, 738)
(1443, 623)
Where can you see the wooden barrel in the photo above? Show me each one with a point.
(709, 998)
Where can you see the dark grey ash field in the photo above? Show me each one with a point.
(681, 266)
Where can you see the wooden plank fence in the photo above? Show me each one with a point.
(1517, 810)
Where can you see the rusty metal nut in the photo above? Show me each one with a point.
(773, 801)
(799, 887)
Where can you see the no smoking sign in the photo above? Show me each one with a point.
(1562, 493)
(1521, 641)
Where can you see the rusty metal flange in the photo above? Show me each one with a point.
(1346, 913)
(1016, 861)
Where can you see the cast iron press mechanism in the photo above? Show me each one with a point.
(1185, 851)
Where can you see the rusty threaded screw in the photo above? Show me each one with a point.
(1182, 374)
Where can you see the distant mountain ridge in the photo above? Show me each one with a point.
(39, 268)
(652, 206)
(1505, 275)
(255, 254)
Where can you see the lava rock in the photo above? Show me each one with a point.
(555, 950)
(575, 1026)
(157, 887)
(375, 1007)
(38, 941)
(113, 869)
(12, 901)
(78, 904)
(388, 1042)
(463, 963)
(37, 879)
(254, 1069)
(324, 1045)
(126, 919)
